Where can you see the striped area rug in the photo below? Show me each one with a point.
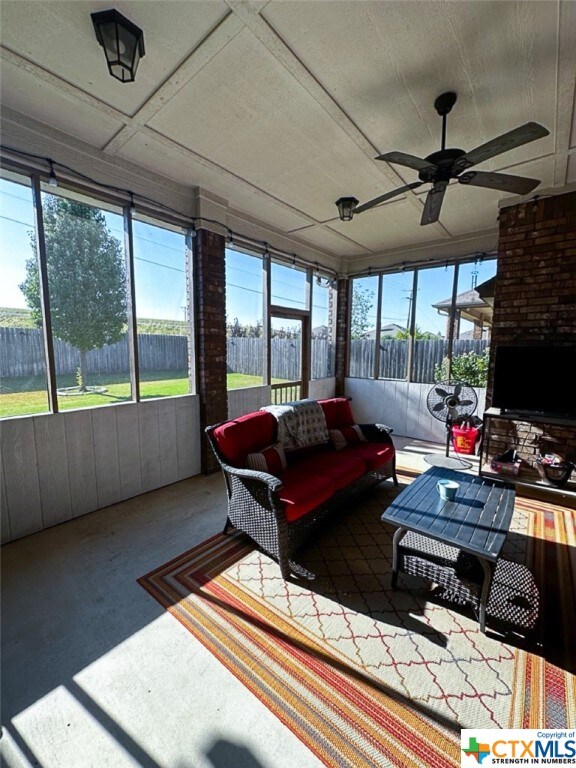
(356, 669)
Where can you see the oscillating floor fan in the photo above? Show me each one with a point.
(448, 402)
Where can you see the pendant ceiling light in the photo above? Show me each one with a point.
(123, 43)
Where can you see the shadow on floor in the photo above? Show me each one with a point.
(225, 754)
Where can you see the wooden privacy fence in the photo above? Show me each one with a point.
(22, 354)
(247, 356)
(428, 353)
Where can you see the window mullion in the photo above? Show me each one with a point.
(45, 296)
(412, 327)
(131, 295)
(452, 322)
(377, 329)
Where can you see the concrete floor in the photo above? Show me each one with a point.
(96, 673)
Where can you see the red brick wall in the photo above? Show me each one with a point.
(535, 302)
(210, 315)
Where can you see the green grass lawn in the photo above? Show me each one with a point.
(27, 395)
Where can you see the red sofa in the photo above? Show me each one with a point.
(276, 498)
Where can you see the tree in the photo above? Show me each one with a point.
(86, 278)
(362, 303)
(418, 334)
(469, 367)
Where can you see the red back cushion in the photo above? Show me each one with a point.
(246, 434)
(337, 412)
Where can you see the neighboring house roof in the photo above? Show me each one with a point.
(486, 290)
(385, 330)
(471, 305)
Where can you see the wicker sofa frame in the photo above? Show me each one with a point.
(254, 504)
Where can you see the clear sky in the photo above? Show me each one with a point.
(161, 283)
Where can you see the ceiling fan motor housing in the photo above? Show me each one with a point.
(442, 168)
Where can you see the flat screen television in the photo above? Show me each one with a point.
(536, 379)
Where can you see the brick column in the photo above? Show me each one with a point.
(535, 303)
(342, 326)
(210, 311)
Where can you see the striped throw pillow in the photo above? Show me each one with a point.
(340, 438)
(271, 459)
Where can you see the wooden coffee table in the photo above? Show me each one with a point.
(453, 543)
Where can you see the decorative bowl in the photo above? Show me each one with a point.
(557, 474)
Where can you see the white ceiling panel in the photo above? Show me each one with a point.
(25, 93)
(177, 165)
(245, 113)
(322, 236)
(385, 63)
(397, 223)
(59, 35)
(279, 108)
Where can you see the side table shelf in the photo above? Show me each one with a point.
(518, 434)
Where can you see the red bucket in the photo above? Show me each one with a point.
(464, 439)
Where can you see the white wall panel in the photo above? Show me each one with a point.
(129, 459)
(401, 406)
(21, 476)
(167, 441)
(106, 463)
(188, 436)
(4, 517)
(59, 466)
(149, 445)
(319, 389)
(80, 452)
(50, 441)
(247, 400)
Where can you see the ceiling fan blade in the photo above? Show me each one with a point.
(410, 161)
(441, 392)
(516, 138)
(457, 390)
(387, 196)
(433, 203)
(520, 185)
(438, 407)
(465, 402)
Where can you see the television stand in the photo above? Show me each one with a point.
(524, 432)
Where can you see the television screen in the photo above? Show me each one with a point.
(538, 379)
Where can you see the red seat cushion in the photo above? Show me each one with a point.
(341, 468)
(302, 491)
(246, 434)
(374, 454)
(338, 412)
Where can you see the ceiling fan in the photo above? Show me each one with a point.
(446, 164)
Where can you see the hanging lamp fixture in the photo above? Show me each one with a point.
(123, 43)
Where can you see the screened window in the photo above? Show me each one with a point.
(449, 338)
(245, 342)
(288, 286)
(431, 331)
(88, 301)
(163, 326)
(23, 388)
(395, 320)
(363, 313)
(323, 328)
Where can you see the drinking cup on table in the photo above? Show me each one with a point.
(447, 489)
